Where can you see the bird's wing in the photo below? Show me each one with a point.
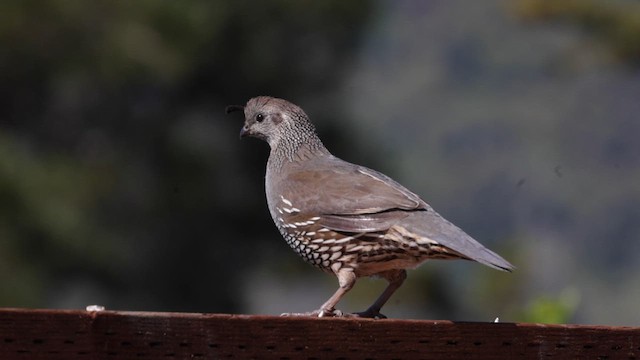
(349, 197)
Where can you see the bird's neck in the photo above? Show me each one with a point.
(300, 146)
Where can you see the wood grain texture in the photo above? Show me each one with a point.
(72, 334)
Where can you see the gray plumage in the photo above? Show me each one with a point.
(344, 218)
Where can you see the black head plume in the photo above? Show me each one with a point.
(233, 108)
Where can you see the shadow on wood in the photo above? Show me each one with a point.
(71, 334)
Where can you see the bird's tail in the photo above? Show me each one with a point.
(436, 229)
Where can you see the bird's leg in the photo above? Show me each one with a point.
(395, 279)
(346, 279)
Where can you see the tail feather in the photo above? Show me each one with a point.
(434, 227)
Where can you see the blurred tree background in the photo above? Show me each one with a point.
(122, 182)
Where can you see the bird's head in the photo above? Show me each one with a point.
(273, 120)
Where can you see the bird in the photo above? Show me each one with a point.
(347, 219)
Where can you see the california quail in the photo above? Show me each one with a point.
(344, 218)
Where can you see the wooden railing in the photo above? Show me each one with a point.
(73, 334)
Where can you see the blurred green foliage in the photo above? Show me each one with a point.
(45, 221)
(119, 174)
(552, 310)
(616, 22)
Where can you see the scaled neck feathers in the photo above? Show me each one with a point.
(297, 143)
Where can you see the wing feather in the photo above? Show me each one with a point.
(349, 197)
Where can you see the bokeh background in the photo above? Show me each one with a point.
(123, 183)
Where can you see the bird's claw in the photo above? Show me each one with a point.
(317, 313)
(369, 314)
(329, 313)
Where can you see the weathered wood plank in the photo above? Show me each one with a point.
(55, 334)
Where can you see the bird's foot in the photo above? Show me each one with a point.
(370, 314)
(318, 313)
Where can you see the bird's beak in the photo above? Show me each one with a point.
(244, 132)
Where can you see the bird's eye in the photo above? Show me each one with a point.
(259, 118)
